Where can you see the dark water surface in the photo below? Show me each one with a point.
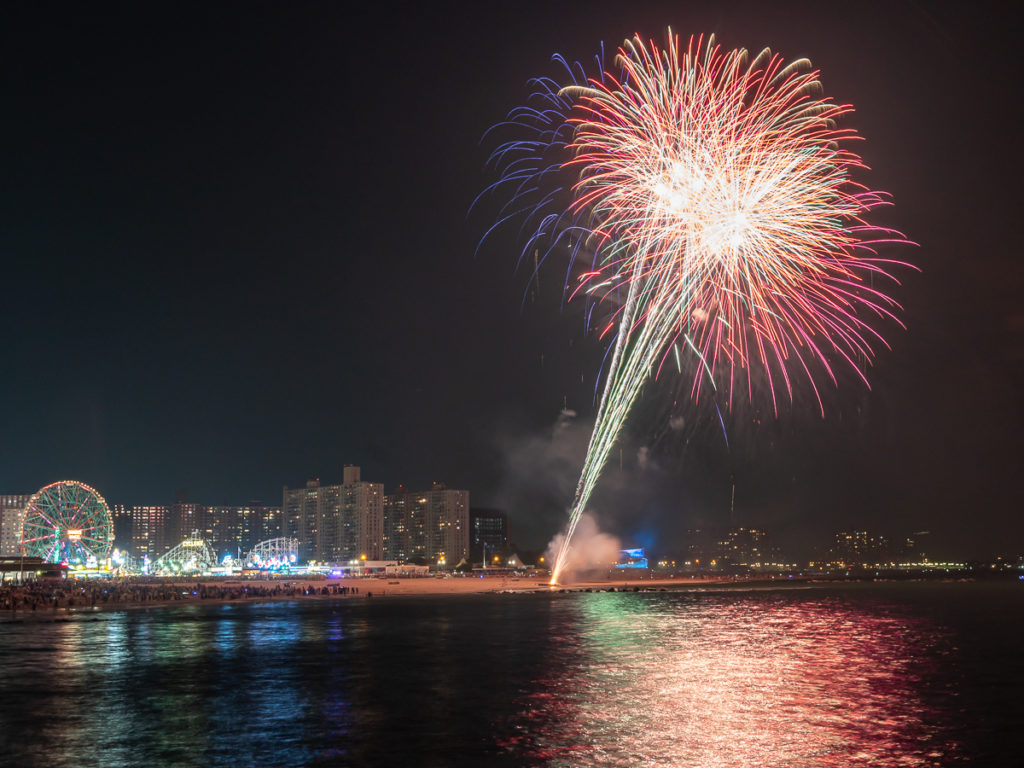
(855, 675)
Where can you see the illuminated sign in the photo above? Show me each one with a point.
(632, 558)
(74, 534)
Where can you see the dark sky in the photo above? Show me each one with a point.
(236, 255)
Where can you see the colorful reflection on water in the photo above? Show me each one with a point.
(747, 681)
(867, 676)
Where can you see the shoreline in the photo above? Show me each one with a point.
(370, 588)
(364, 588)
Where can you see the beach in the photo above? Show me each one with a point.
(80, 596)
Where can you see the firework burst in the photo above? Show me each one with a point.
(713, 196)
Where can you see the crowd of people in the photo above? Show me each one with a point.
(69, 594)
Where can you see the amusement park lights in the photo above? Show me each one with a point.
(68, 522)
(279, 554)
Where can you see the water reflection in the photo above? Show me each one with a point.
(731, 681)
(788, 679)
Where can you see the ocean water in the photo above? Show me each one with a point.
(920, 674)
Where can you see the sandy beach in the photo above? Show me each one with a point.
(89, 596)
(458, 585)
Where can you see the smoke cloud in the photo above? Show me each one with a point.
(591, 552)
(540, 471)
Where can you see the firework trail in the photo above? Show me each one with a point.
(711, 194)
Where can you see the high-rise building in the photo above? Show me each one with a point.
(299, 513)
(359, 529)
(265, 523)
(405, 529)
(433, 525)
(488, 533)
(743, 548)
(336, 523)
(229, 529)
(447, 523)
(12, 519)
(396, 526)
(855, 549)
(121, 516)
(149, 531)
(184, 519)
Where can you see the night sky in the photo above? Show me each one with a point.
(237, 254)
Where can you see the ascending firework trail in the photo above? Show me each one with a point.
(714, 192)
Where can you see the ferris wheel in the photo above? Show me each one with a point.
(68, 522)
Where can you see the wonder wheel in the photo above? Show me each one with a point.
(68, 522)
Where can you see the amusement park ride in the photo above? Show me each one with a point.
(195, 555)
(274, 554)
(67, 523)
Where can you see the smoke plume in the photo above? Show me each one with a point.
(591, 552)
